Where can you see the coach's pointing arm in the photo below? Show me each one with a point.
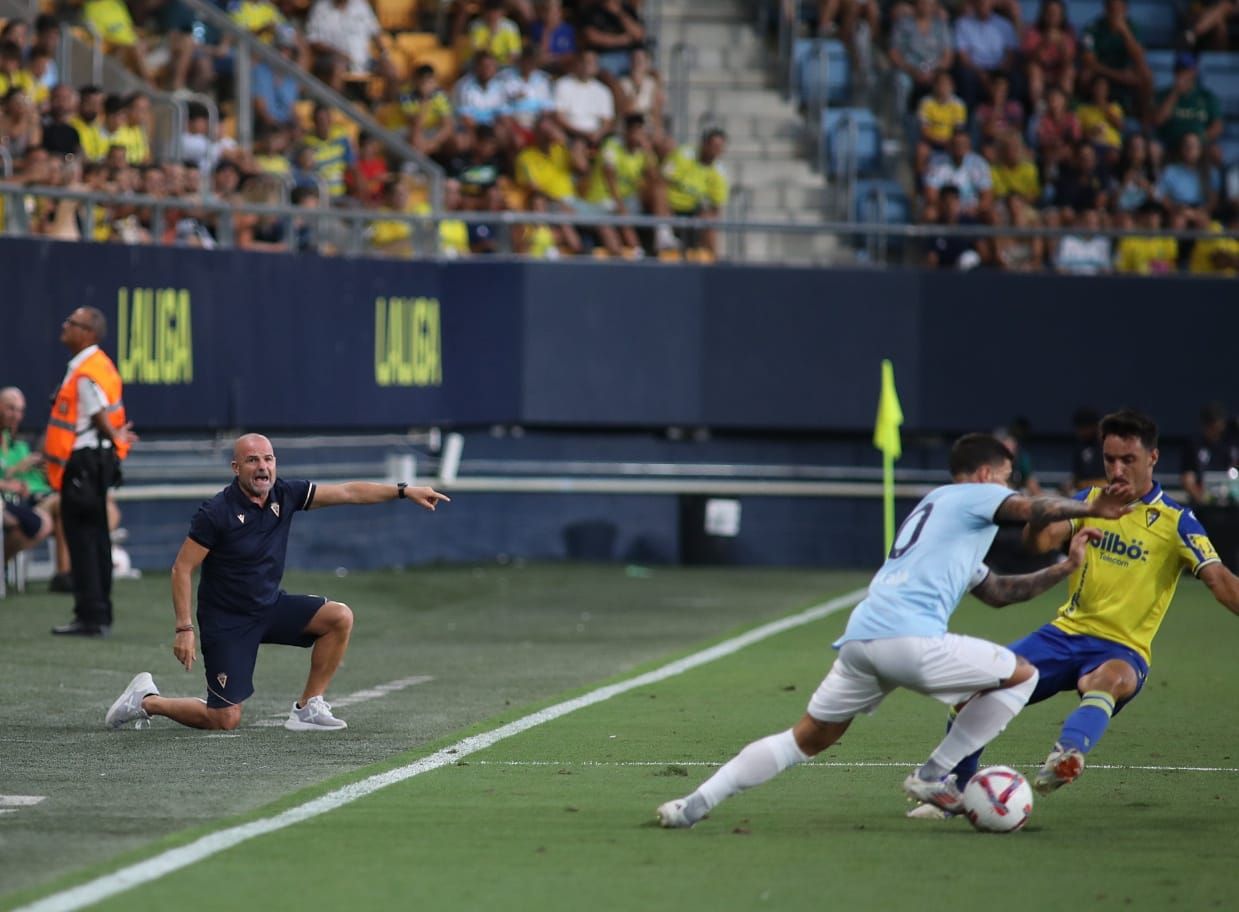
(368, 492)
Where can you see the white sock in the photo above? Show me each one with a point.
(978, 723)
(759, 762)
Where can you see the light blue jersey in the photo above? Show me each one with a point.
(937, 556)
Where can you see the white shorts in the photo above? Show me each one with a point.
(950, 668)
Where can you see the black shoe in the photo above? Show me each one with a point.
(77, 628)
(61, 582)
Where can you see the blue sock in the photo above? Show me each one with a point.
(1084, 727)
(966, 768)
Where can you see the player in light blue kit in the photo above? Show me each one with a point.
(897, 636)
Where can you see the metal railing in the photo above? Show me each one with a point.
(345, 229)
(683, 61)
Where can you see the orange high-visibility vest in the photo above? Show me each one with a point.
(62, 425)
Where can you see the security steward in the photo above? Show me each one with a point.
(87, 437)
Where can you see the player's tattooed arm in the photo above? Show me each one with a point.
(999, 590)
(1041, 511)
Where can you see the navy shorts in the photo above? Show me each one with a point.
(27, 519)
(229, 652)
(1063, 658)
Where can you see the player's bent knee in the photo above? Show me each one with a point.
(341, 615)
(1024, 671)
(225, 718)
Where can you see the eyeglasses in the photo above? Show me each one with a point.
(69, 321)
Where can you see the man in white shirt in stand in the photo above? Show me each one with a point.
(584, 106)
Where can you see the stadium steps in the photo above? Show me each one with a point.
(732, 85)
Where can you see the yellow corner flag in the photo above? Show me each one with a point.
(886, 439)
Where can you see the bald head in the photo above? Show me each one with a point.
(253, 462)
(12, 408)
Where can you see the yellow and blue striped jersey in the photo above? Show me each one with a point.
(1123, 588)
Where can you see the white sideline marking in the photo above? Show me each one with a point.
(361, 696)
(10, 803)
(166, 862)
(839, 764)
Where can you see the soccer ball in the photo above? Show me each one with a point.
(998, 800)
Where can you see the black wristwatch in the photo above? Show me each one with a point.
(400, 486)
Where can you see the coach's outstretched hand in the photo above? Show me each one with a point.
(426, 497)
(183, 648)
(1114, 501)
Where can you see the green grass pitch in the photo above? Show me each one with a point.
(561, 816)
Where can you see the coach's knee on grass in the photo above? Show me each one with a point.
(333, 617)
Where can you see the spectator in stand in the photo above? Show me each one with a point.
(1188, 185)
(939, 114)
(946, 251)
(625, 180)
(1101, 122)
(1084, 252)
(1213, 25)
(545, 167)
(965, 171)
(482, 99)
(427, 114)
(1218, 255)
(1023, 253)
(1186, 107)
(1049, 51)
(530, 93)
(641, 91)
(1136, 175)
(985, 43)
(59, 135)
(613, 29)
(197, 146)
(110, 20)
(89, 123)
(1013, 172)
(369, 176)
(333, 151)
(118, 130)
(1000, 114)
(38, 65)
(23, 484)
(1112, 49)
(478, 174)
(345, 35)
(1151, 254)
(47, 41)
(275, 94)
(554, 37)
(1057, 132)
(697, 186)
(198, 54)
(20, 129)
(921, 46)
(1211, 449)
(1080, 184)
(305, 169)
(271, 150)
(493, 31)
(12, 74)
(584, 106)
(303, 231)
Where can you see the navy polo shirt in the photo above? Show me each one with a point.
(248, 544)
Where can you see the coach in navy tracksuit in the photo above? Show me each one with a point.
(240, 538)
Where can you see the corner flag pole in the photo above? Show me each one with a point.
(886, 439)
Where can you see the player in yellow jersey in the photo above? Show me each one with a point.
(1100, 643)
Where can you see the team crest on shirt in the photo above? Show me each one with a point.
(1150, 517)
(275, 508)
(222, 677)
(241, 518)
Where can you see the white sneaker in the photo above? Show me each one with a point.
(314, 716)
(929, 812)
(128, 705)
(1061, 767)
(942, 793)
(671, 815)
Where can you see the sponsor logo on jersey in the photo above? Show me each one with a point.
(1115, 545)
(1202, 546)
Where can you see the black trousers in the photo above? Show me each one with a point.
(84, 514)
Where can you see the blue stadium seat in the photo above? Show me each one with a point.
(1083, 13)
(1220, 74)
(1162, 65)
(808, 70)
(1156, 22)
(848, 132)
(882, 201)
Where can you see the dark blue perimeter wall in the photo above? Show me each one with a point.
(217, 340)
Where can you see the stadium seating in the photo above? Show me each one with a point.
(1155, 22)
(821, 66)
(1220, 74)
(851, 138)
(880, 201)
